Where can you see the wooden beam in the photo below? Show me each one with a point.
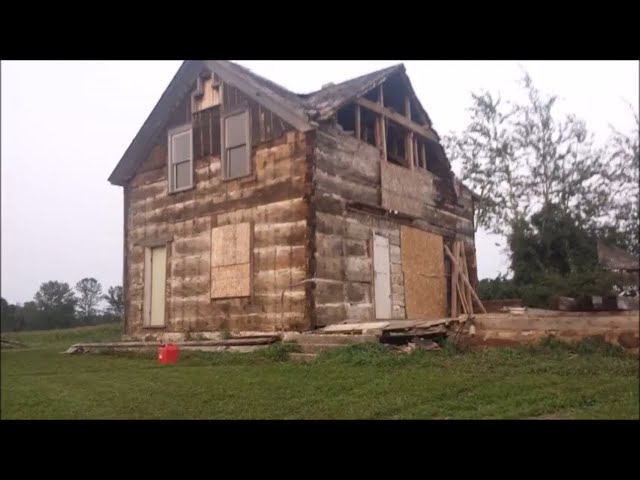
(396, 117)
(416, 157)
(383, 132)
(383, 129)
(408, 149)
(358, 122)
(423, 156)
(407, 107)
(465, 279)
(454, 284)
(465, 274)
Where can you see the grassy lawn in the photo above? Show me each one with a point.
(362, 382)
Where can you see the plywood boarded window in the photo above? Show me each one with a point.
(231, 247)
(236, 145)
(425, 283)
(180, 158)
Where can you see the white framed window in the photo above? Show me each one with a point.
(236, 145)
(180, 148)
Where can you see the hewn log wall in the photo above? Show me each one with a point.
(272, 200)
(348, 171)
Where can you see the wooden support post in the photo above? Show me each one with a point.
(423, 156)
(376, 135)
(408, 150)
(397, 117)
(383, 129)
(465, 279)
(416, 158)
(454, 285)
(383, 120)
(465, 270)
(358, 135)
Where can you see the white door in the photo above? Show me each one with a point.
(382, 277)
(155, 285)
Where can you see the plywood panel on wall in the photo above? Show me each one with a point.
(424, 275)
(231, 261)
(231, 281)
(404, 190)
(230, 244)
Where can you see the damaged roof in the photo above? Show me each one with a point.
(614, 258)
(302, 111)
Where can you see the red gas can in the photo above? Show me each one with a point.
(168, 353)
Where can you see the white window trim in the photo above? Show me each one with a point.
(223, 151)
(173, 132)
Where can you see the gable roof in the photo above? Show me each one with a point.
(299, 110)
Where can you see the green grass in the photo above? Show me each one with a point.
(553, 380)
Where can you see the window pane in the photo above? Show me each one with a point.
(181, 147)
(238, 162)
(183, 175)
(236, 127)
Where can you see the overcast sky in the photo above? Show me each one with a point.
(65, 125)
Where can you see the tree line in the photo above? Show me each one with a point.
(550, 190)
(57, 305)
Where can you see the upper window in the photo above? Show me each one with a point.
(180, 159)
(236, 145)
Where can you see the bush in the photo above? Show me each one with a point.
(545, 285)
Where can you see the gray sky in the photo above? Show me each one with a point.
(65, 125)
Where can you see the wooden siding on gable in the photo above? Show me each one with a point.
(265, 125)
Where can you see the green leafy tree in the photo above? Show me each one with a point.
(115, 301)
(89, 296)
(489, 165)
(621, 227)
(56, 302)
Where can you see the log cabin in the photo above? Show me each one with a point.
(250, 208)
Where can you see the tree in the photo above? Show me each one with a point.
(623, 192)
(56, 301)
(90, 294)
(115, 301)
(535, 171)
(489, 163)
(562, 166)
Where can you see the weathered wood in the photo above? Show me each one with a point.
(465, 273)
(357, 132)
(396, 117)
(454, 283)
(465, 279)
(355, 327)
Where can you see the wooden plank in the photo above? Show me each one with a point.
(425, 285)
(231, 281)
(383, 121)
(355, 327)
(230, 244)
(465, 279)
(465, 268)
(460, 287)
(396, 117)
(409, 150)
(358, 135)
(454, 284)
